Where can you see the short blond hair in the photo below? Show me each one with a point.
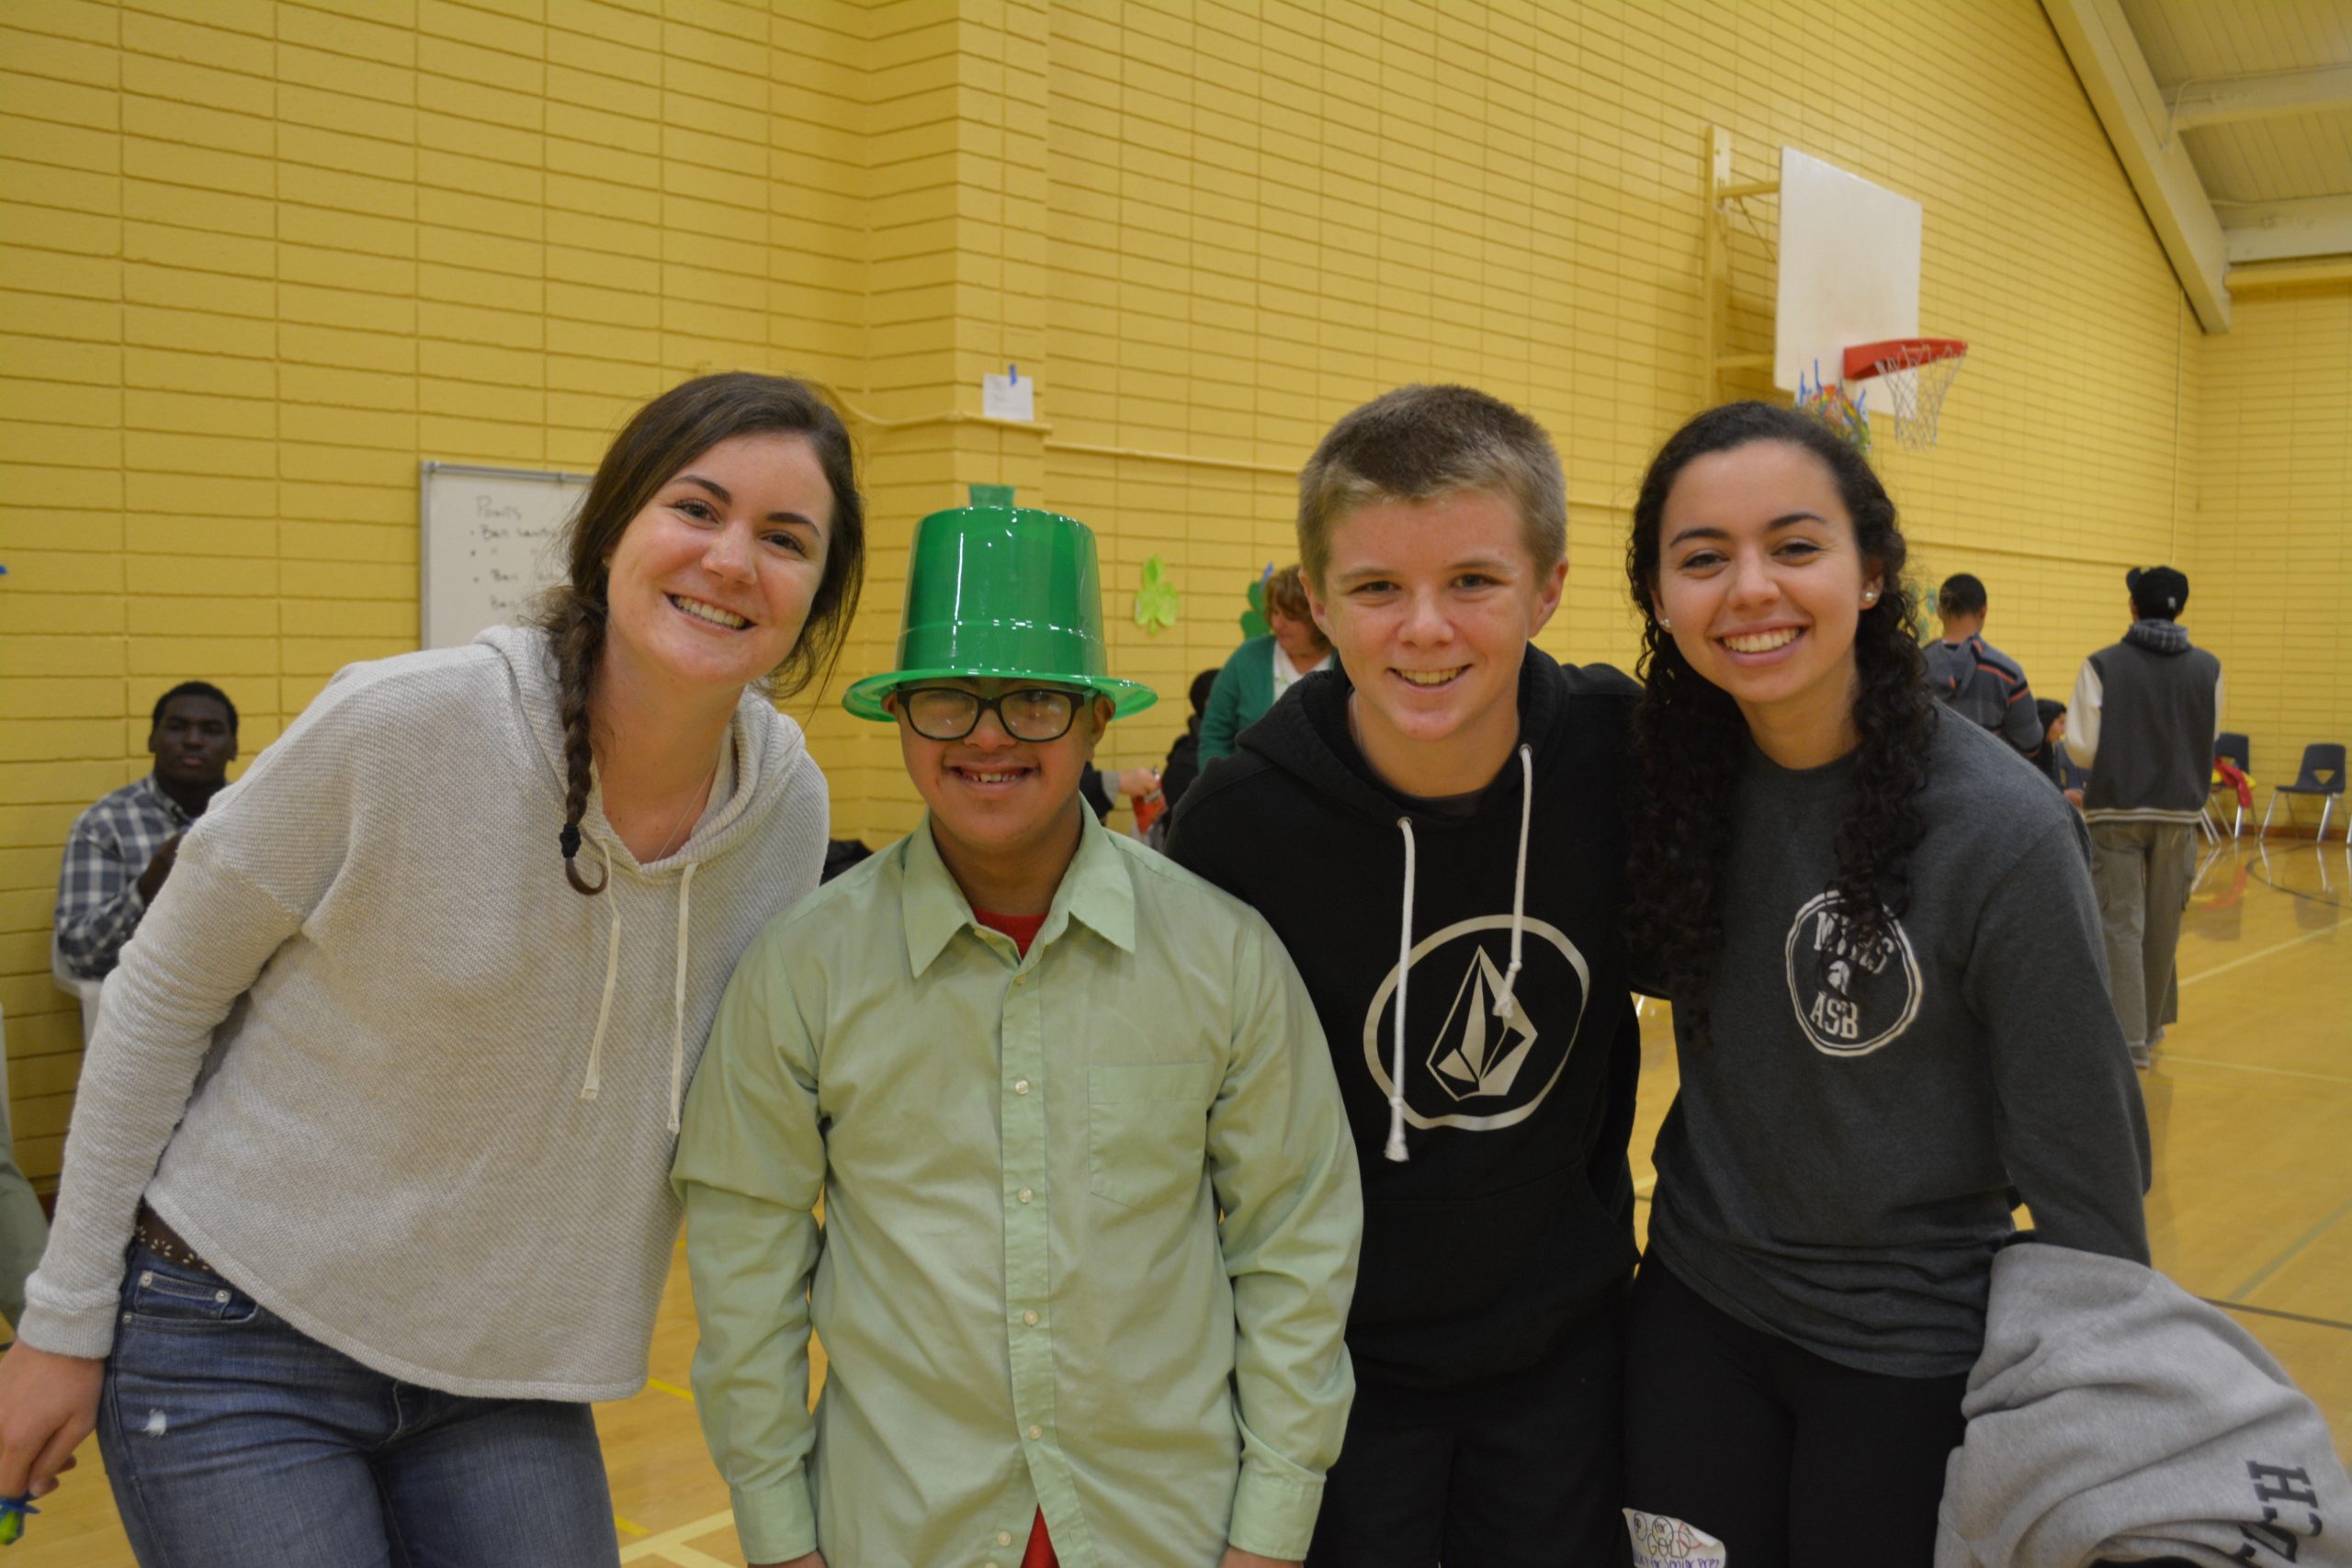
(1420, 442)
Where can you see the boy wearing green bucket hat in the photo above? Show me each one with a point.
(1091, 1204)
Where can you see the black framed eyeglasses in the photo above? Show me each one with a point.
(950, 713)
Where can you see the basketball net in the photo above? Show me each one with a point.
(1917, 373)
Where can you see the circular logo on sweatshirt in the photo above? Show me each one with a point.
(1482, 1050)
(1850, 1000)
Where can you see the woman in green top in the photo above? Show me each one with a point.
(1264, 668)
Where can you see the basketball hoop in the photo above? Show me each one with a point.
(1917, 371)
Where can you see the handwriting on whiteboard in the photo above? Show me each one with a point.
(492, 543)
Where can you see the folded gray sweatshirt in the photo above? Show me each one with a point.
(376, 1061)
(2115, 1417)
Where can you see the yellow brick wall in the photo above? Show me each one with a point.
(2270, 564)
(257, 260)
(1263, 214)
(258, 257)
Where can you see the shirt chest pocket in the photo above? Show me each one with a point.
(1146, 1131)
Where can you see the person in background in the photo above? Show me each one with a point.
(24, 1229)
(2055, 761)
(2146, 713)
(1435, 829)
(121, 850)
(367, 1197)
(1090, 1208)
(1975, 679)
(1101, 787)
(1883, 952)
(1183, 764)
(1262, 669)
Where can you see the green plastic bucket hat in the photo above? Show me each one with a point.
(1002, 593)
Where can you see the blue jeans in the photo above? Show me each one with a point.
(233, 1440)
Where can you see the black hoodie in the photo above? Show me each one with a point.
(1513, 1216)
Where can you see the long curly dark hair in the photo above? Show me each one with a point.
(661, 439)
(1689, 735)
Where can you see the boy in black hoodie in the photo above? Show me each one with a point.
(1433, 831)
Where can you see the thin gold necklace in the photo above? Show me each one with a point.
(696, 805)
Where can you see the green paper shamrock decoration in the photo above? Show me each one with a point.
(1156, 600)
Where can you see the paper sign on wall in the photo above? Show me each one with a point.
(1010, 396)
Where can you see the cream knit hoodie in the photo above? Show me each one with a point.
(376, 1061)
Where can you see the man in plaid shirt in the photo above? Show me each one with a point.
(121, 849)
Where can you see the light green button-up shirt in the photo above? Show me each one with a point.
(1091, 1224)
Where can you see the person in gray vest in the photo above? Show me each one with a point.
(1975, 679)
(2145, 714)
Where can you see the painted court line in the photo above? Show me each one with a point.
(687, 1557)
(2166, 1059)
(661, 1546)
(626, 1527)
(2293, 1251)
(685, 1394)
(2274, 1312)
(2253, 957)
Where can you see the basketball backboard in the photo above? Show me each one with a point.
(1848, 269)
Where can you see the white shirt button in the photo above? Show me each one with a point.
(1030, 1318)
(1025, 1194)
(1036, 1433)
(1021, 1086)
(1004, 1537)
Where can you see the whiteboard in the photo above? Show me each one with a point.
(490, 541)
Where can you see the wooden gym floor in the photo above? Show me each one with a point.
(2250, 1105)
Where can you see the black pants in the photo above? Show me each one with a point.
(1789, 1459)
(1523, 1475)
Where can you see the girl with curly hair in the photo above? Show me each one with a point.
(1878, 931)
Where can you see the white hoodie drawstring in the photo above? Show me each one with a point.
(594, 1080)
(1506, 1005)
(678, 997)
(1403, 967)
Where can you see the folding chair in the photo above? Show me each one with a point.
(2323, 776)
(87, 992)
(2234, 748)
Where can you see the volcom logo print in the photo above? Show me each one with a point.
(1850, 1000)
(1479, 1051)
(1466, 1065)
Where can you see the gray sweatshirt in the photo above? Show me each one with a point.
(2115, 1417)
(374, 1060)
(1836, 1167)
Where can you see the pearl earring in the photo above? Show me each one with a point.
(1665, 625)
(1871, 597)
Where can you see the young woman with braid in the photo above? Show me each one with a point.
(1879, 936)
(382, 1106)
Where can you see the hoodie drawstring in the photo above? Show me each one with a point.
(678, 998)
(1404, 968)
(594, 1080)
(1507, 1005)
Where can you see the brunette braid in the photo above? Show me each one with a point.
(578, 640)
(1690, 739)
